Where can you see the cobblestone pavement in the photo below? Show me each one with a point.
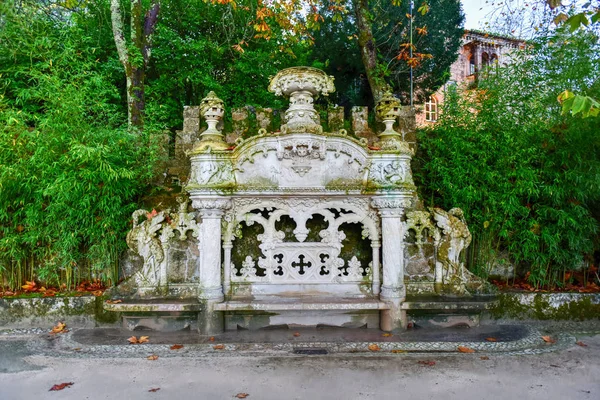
(520, 364)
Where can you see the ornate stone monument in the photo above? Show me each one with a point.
(300, 226)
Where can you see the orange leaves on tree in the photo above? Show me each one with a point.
(421, 31)
(176, 347)
(60, 327)
(135, 340)
(61, 386)
(464, 349)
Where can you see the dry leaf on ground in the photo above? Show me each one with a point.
(152, 357)
(548, 339)
(398, 351)
(296, 334)
(154, 390)
(464, 349)
(61, 386)
(60, 327)
(491, 339)
(484, 358)
(177, 347)
(387, 335)
(29, 286)
(113, 301)
(242, 395)
(374, 347)
(218, 347)
(428, 363)
(142, 339)
(98, 293)
(581, 344)
(211, 339)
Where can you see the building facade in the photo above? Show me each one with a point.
(478, 51)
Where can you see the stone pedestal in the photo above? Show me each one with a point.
(210, 291)
(335, 118)
(393, 290)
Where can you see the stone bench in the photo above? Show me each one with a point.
(446, 311)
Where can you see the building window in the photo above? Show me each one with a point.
(472, 68)
(431, 109)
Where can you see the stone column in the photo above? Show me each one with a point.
(393, 290)
(210, 287)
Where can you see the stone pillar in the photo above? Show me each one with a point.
(335, 118)
(264, 118)
(210, 286)
(407, 125)
(375, 246)
(239, 118)
(360, 124)
(393, 290)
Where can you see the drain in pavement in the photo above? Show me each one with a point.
(310, 351)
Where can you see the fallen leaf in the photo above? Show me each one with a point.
(398, 351)
(113, 301)
(154, 390)
(60, 327)
(484, 358)
(218, 347)
(296, 334)
(427, 363)
(77, 349)
(49, 293)
(177, 347)
(387, 335)
(97, 293)
(61, 386)
(29, 286)
(581, 344)
(491, 339)
(464, 349)
(548, 339)
(211, 339)
(152, 357)
(374, 347)
(143, 339)
(242, 395)
(132, 340)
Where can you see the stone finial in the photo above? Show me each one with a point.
(212, 109)
(302, 85)
(388, 109)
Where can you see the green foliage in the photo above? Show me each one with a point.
(69, 174)
(527, 176)
(337, 42)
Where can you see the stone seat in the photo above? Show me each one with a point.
(302, 304)
(439, 303)
(439, 311)
(154, 306)
(256, 313)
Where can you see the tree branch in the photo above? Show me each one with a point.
(117, 28)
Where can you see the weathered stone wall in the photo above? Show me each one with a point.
(84, 311)
(547, 306)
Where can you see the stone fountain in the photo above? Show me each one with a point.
(297, 227)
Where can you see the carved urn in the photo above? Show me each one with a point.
(388, 109)
(212, 109)
(302, 85)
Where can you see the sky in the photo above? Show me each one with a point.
(475, 11)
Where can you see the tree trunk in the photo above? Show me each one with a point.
(134, 57)
(368, 50)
